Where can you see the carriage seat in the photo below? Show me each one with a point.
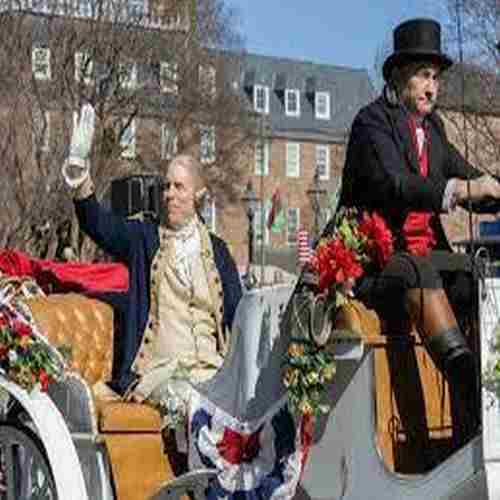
(84, 327)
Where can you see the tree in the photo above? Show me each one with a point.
(160, 81)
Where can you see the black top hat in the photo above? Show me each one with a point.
(416, 40)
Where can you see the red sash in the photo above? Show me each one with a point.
(417, 231)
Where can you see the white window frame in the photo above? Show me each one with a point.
(261, 231)
(88, 77)
(320, 115)
(210, 208)
(44, 54)
(291, 236)
(168, 141)
(322, 148)
(265, 108)
(264, 146)
(85, 8)
(292, 167)
(128, 75)
(288, 94)
(207, 144)
(169, 77)
(136, 9)
(208, 80)
(128, 147)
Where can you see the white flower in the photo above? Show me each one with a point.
(13, 356)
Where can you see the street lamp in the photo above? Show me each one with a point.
(251, 201)
(316, 193)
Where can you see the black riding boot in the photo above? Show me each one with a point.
(453, 357)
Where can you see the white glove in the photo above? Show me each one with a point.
(76, 168)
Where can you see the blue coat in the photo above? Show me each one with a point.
(135, 243)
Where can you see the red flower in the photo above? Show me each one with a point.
(3, 320)
(335, 263)
(379, 238)
(44, 379)
(22, 329)
(4, 350)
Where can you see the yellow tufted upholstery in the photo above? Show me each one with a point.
(132, 431)
(84, 326)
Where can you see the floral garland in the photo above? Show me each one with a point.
(360, 242)
(25, 357)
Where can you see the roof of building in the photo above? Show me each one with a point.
(349, 90)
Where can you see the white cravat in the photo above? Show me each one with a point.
(187, 244)
(420, 133)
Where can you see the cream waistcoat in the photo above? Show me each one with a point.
(185, 319)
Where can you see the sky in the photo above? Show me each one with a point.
(338, 32)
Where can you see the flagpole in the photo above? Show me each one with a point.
(262, 204)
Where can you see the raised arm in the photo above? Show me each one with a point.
(111, 232)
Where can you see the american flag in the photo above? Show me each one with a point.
(304, 250)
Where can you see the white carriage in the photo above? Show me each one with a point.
(65, 444)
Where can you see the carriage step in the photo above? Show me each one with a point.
(194, 482)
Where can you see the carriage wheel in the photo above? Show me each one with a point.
(24, 470)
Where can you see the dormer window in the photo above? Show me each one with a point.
(261, 99)
(322, 105)
(292, 102)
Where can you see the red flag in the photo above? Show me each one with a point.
(276, 207)
(304, 250)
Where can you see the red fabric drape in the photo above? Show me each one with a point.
(66, 276)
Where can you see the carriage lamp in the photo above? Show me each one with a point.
(316, 194)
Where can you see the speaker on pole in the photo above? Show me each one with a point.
(138, 194)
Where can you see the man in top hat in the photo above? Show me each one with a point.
(400, 164)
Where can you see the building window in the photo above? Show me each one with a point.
(41, 132)
(292, 102)
(292, 225)
(207, 77)
(127, 140)
(168, 139)
(208, 214)
(84, 68)
(261, 99)
(128, 75)
(85, 8)
(135, 9)
(292, 159)
(322, 105)
(169, 77)
(40, 63)
(262, 158)
(207, 143)
(261, 230)
(323, 162)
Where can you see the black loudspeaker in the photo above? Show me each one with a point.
(138, 194)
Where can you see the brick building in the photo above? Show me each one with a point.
(302, 113)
